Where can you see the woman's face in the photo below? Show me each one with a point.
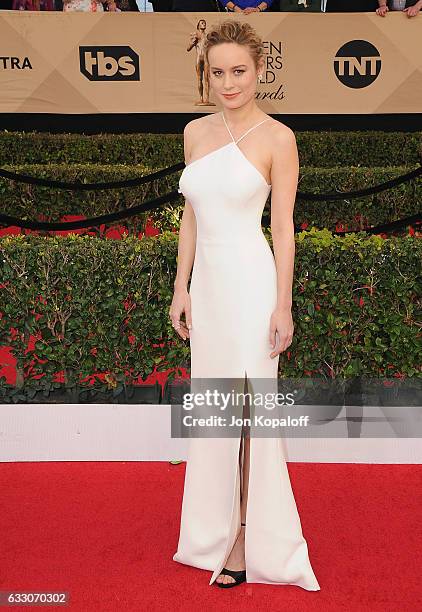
(232, 71)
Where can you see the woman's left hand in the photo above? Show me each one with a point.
(251, 9)
(282, 323)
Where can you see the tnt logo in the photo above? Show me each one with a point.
(117, 63)
(357, 64)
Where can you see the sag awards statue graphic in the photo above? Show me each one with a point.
(197, 40)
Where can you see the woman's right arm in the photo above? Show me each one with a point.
(185, 256)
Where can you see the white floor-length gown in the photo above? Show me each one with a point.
(233, 292)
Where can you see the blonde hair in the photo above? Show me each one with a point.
(233, 31)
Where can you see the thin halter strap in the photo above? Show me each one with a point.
(247, 132)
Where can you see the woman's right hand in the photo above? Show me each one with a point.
(181, 303)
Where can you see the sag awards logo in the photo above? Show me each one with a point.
(269, 89)
(115, 63)
(357, 64)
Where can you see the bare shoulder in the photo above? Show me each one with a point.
(281, 133)
(282, 145)
(196, 126)
(194, 130)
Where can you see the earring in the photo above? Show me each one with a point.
(259, 77)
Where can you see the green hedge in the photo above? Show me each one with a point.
(98, 306)
(36, 203)
(320, 149)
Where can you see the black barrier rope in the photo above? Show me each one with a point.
(140, 180)
(338, 195)
(173, 195)
(154, 203)
(378, 229)
(84, 223)
(314, 197)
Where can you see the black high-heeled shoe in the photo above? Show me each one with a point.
(239, 576)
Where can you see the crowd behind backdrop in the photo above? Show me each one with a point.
(411, 7)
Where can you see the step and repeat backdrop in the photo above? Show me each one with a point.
(154, 62)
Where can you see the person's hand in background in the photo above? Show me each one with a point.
(259, 8)
(412, 11)
(382, 10)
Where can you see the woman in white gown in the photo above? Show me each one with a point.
(239, 517)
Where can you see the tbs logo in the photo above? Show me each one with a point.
(117, 63)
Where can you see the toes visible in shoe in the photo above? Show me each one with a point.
(224, 579)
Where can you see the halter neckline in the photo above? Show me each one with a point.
(247, 131)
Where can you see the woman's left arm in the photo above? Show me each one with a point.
(284, 179)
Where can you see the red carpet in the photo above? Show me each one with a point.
(106, 533)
